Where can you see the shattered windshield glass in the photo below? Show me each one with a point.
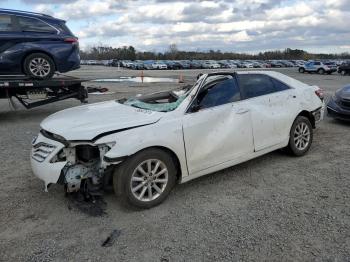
(161, 102)
(156, 106)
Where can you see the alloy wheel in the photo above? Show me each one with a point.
(39, 67)
(149, 180)
(302, 136)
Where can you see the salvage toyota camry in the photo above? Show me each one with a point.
(146, 144)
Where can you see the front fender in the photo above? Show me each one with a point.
(167, 134)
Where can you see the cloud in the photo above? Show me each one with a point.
(235, 25)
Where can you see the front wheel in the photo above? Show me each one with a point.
(301, 70)
(321, 71)
(146, 179)
(301, 135)
(39, 66)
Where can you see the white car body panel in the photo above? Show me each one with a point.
(203, 142)
(209, 145)
(88, 121)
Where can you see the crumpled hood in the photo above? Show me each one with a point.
(344, 93)
(88, 121)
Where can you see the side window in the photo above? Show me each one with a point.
(279, 86)
(255, 85)
(34, 25)
(5, 23)
(317, 63)
(221, 93)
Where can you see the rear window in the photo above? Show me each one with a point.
(35, 25)
(63, 28)
(255, 85)
(5, 23)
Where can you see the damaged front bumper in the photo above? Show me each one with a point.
(74, 165)
(43, 151)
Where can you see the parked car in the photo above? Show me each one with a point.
(344, 68)
(195, 65)
(36, 45)
(339, 105)
(210, 65)
(318, 67)
(159, 65)
(149, 143)
(276, 64)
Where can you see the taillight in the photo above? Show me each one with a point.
(71, 40)
(319, 92)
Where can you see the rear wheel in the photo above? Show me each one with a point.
(301, 70)
(301, 135)
(146, 179)
(343, 72)
(39, 66)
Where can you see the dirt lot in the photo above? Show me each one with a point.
(275, 207)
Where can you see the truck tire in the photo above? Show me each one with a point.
(302, 70)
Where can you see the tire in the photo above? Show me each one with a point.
(343, 72)
(321, 71)
(300, 144)
(39, 66)
(302, 70)
(133, 185)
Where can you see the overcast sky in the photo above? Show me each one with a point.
(228, 25)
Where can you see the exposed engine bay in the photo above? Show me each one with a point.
(84, 169)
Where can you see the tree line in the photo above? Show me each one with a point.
(173, 53)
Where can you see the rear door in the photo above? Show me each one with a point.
(270, 108)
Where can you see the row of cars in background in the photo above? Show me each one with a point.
(320, 67)
(194, 64)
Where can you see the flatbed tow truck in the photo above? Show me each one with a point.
(33, 93)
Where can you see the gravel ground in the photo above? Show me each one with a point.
(273, 208)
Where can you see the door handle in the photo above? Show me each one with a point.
(241, 111)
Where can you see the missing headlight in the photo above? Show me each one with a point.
(86, 153)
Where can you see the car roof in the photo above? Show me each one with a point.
(29, 14)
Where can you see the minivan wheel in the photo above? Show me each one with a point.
(145, 179)
(301, 70)
(301, 135)
(39, 66)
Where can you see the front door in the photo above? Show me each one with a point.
(219, 130)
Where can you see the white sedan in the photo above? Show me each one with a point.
(147, 144)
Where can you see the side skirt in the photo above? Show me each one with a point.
(233, 162)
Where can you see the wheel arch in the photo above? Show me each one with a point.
(170, 152)
(309, 116)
